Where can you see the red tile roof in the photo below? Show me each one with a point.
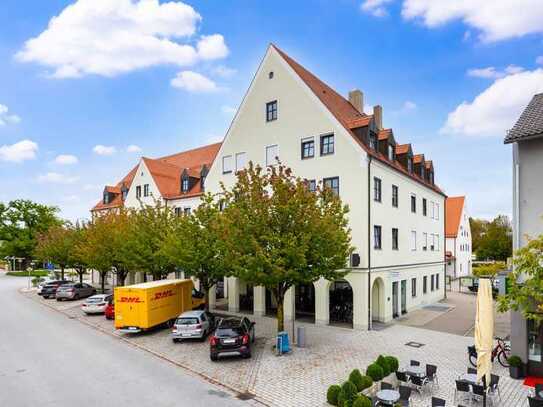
(384, 134)
(166, 172)
(418, 158)
(403, 148)
(346, 114)
(453, 214)
(359, 122)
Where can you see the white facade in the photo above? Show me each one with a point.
(302, 116)
(460, 248)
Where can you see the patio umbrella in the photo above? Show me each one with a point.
(484, 329)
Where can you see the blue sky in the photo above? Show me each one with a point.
(161, 77)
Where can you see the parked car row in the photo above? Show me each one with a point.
(65, 290)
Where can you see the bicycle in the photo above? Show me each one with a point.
(502, 351)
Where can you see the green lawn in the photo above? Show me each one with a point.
(35, 273)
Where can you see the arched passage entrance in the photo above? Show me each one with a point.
(378, 300)
(305, 302)
(341, 303)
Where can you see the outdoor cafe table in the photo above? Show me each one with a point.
(419, 371)
(388, 396)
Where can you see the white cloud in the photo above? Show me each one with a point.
(6, 118)
(492, 73)
(409, 105)
(496, 109)
(228, 110)
(539, 60)
(212, 47)
(375, 7)
(19, 152)
(213, 138)
(56, 178)
(92, 187)
(496, 20)
(224, 71)
(132, 148)
(193, 82)
(112, 37)
(104, 150)
(66, 159)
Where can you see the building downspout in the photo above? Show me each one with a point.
(369, 244)
(445, 249)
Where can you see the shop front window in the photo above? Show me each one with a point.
(534, 342)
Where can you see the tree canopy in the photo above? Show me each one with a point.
(21, 221)
(280, 234)
(492, 240)
(57, 245)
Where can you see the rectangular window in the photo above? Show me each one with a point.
(391, 152)
(413, 240)
(437, 242)
(271, 111)
(373, 140)
(377, 237)
(272, 154)
(424, 284)
(177, 211)
(424, 209)
(240, 161)
(185, 184)
(327, 144)
(432, 246)
(413, 287)
(410, 165)
(146, 190)
(186, 211)
(227, 164)
(394, 239)
(376, 189)
(433, 209)
(437, 211)
(308, 148)
(394, 196)
(138, 192)
(424, 241)
(413, 203)
(432, 283)
(437, 281)
(332, 183)
(312, 185)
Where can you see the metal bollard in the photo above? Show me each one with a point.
(300, 333)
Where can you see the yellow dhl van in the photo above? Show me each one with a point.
(142, 306)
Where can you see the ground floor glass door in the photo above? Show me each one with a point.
(404, 296)
(395, 310)
(535, 344)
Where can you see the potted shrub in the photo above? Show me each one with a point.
(381, 361)
(361, 401)
(332, 394)
(347, 394)
(515, 367)
(375, 372)
(356, 378)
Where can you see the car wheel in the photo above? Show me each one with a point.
(175, 340)
(58, 299)
(76, 297)
(213, 358)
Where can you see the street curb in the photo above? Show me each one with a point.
(237, 393)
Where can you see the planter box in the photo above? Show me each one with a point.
(516, 372)
(370, 391)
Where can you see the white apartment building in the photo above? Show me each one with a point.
(458, 249)
(396, 210)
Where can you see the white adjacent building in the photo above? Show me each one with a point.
(458, 249)
(396, 210)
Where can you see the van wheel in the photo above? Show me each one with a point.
(175, 340)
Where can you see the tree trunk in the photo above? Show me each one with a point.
(62, 272)
(80, 271)
(103, 282)
(280, 314)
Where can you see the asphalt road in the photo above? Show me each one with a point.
(47, 359)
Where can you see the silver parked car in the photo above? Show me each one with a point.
(193, 324)
(74, 291)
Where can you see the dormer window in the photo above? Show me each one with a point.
(124, 192)
(203, 175)
(185, 184)
(106, 198)
(373, 140)
(410, 164)
(391, 156)
(431, 177)
(422, 170)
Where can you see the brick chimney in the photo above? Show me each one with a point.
(356, 97)
(378, 116)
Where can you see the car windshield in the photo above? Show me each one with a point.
(186, 321)
(231, 331)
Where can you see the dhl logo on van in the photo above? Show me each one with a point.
(130, 299)
(163, 294)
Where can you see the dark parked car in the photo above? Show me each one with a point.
(233, 336)
(49, 290)
(74, 291)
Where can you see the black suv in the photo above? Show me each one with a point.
(49, 290)
(233, 336)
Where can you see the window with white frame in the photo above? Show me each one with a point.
(227, 164)
(424, 241)
(272, 154)
(437, 242)
(146, 190)
(413, 240)
(437, 211)
(240, 161)
(433, 209)
(432, 246)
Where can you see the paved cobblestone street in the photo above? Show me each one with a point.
(301, 378)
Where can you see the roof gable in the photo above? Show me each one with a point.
(454, 206)
(530, 123)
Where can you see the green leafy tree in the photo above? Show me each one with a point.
(195, 244)
(478, 229)
(76, 261)
(280, 234)
(123, 239)
(21, 221)
(150, 228)
(497, 241)
(57, 245)
(525, 293)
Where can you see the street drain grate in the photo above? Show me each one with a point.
(246, 396)
(415, 344)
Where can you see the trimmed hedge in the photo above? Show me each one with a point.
(375, 371)
(332, 394)
(366, 382)
(361, 401)
(393, 363)
(356, 378)
(381, 361)
(347, 394)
